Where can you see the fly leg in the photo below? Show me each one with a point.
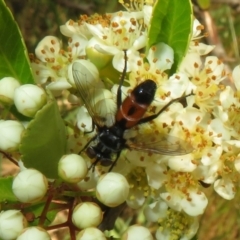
(88, 143)
(115, 161)
(149, 118)
(93, 127)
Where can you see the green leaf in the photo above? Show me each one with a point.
(37, 211)
(44, 141)
(13, 53)
(6, 193)
(171, 23)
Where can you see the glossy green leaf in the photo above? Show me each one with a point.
(171, 23)
(6, 193)
(13, 54)
(44, 141)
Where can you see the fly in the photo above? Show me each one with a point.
(109, 141)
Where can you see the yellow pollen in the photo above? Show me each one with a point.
(115, 24)
(200, 27)
(198, 118)
(77, 44)
(71, 22)
(154, 48)
(52, 50)
(195, 65)
(43, 51)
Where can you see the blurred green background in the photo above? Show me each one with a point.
(39, 18)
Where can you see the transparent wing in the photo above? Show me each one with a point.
(160, 143)
(92, 94)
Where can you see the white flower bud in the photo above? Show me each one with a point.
(30, 186)
(87, 214)
(28, 99)
(72, 168)
(12, 222)
(10, 132)
(137, 232)
(91, 234)
(7, 88)
(88, 73)
(112, 189)
(36, 233)
(84, 120)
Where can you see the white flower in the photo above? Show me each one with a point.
(112, 189)
(12, 222)
(225, 188)
(30, 186)
(137, 232)
(123, 32)
(72, 168)
(36, 233)
(87, 214)
(91, 233)
(10, 132)
(29, 98)
(7, 87)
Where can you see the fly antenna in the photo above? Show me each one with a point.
(119, 91)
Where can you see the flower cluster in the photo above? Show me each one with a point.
(197, 137)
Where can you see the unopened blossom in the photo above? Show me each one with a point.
(7, 87)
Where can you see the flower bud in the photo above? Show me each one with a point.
(72, 168)
(12, 222)
(36, 233)
(28, 99)
(7, 88)
(87, 214)
(91, 234)
(88, 73)
(137, 232)
(30, 186)
(112, 189)
(10, 132)
(99, 59)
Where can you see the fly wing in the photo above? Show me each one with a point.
(160, 143)
(92, 94)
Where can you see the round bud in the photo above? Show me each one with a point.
(87, 73)
(87, 214)
(72, 168)
(137, 232)
(36, 233)
(10, 132)
(7, 88)
(12, 222)
(28, 99)
(112, 189)
(90, 234)
(99, 59)
(30, 186)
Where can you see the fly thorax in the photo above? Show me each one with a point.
(112, 139)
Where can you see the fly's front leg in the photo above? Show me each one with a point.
(115, 161)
